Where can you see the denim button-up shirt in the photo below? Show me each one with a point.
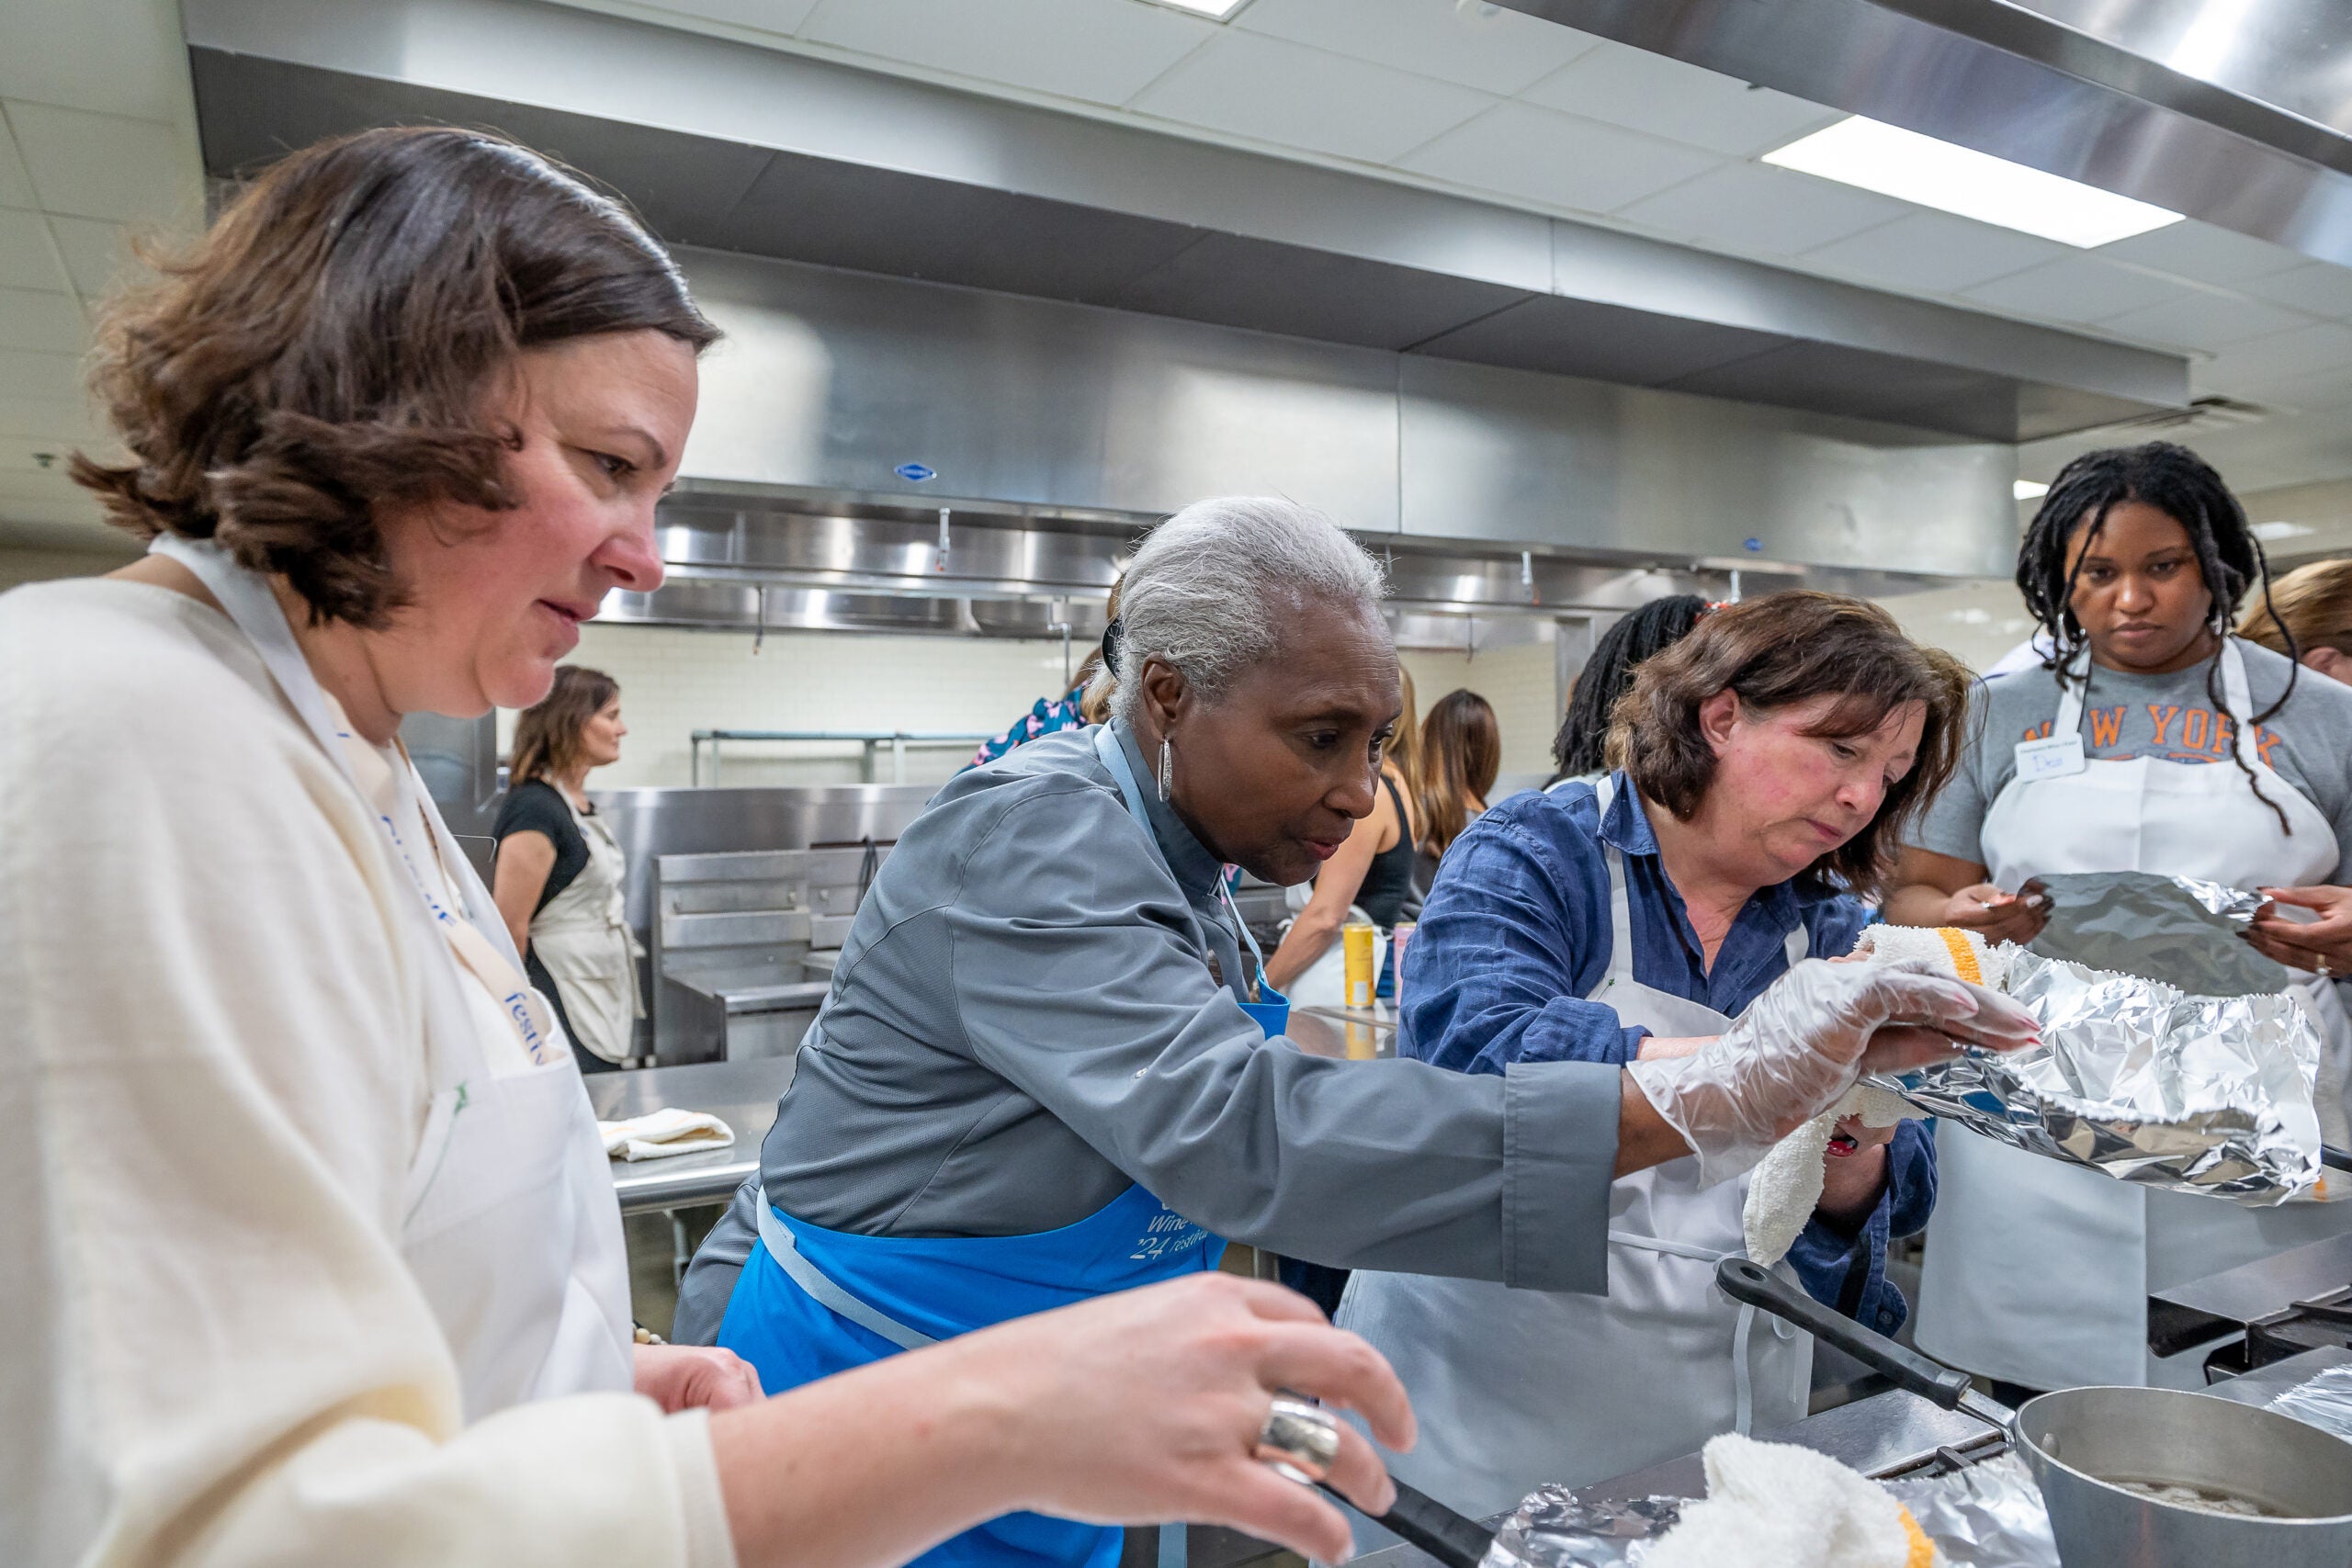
(1516, 935)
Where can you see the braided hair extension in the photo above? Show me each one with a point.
(2184, 486)
(1582, 744)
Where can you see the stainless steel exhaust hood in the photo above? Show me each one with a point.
(736, 148)
(2238, 112)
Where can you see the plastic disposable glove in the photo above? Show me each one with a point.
(1800, 1045)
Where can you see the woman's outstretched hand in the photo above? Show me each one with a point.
(1146, 1406)
(1137, 1408)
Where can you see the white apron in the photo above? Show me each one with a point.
(508, 1222)
(2037, 1272)
(583, 939)
(1513, 1389)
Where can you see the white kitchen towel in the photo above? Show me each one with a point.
(1951, 949)
(661, 1133)
(1786, 1187)
(1778, 1505)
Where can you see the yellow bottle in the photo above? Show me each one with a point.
(1358, 944)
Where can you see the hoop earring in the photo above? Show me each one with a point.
(1167, 767)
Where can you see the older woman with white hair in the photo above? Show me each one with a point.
(1043, 1071)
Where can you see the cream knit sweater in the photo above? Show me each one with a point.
(212, 1087)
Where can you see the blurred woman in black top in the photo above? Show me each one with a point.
(560, 876)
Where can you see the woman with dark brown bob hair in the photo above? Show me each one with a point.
(1764, 768)
(312, 1251)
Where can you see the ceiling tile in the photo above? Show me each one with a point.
(51, 420)
(1936, 253)
(120, 57)
(2075, 288)
(1284, 93)
(27, 260)
(1078, 48)
(28, 374)
(2329, 390)
(1481, 46)
(2245, 367)
(1517, 149)
(16, 185)
(46, 323)
(2321, 287)
(2209, 254)
(2203, 320)
(102, 165)
(1641, 91)
(95, 253)
(1753, 209)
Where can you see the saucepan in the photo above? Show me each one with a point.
(2132, 1477)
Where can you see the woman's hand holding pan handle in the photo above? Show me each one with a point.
(1137, 1408)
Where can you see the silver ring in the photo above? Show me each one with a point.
(1299, 1436)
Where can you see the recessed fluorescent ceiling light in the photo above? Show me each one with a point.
(1915, 168)
(2271, 533)
(2029, 490)
(1218, 9)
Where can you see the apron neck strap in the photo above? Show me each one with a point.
(1798, 944)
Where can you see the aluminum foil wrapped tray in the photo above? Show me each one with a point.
(2150, 1084)
(1987, 1515)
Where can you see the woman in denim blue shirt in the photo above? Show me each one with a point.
(1764, 768)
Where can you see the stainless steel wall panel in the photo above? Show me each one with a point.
(1503, 455)
(867, 171)
(835, 380)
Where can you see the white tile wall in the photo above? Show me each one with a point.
(676, 681)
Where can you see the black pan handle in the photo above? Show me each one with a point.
(1746, 1282)
(1421, 1520)
(2335, 1158)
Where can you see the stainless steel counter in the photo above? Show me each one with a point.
(1359, 1034)
(742, 1094)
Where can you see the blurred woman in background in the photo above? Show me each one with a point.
(561, 876)
(1462, 750)
(2315, 604)
(1580, 751)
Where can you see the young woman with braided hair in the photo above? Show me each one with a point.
(2151, 739)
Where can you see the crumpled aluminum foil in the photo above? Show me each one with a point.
(1985, 1515)
(2324, 1401)
(2176, 929)
(1552, 1530)
(2189, 1093)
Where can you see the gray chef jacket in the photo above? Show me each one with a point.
(1027, 1017)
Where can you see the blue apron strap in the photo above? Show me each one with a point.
(810, 1278)
(1107, 746)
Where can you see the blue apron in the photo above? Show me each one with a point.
(812, 1302)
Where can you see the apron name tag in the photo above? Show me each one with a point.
(2050, 758)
